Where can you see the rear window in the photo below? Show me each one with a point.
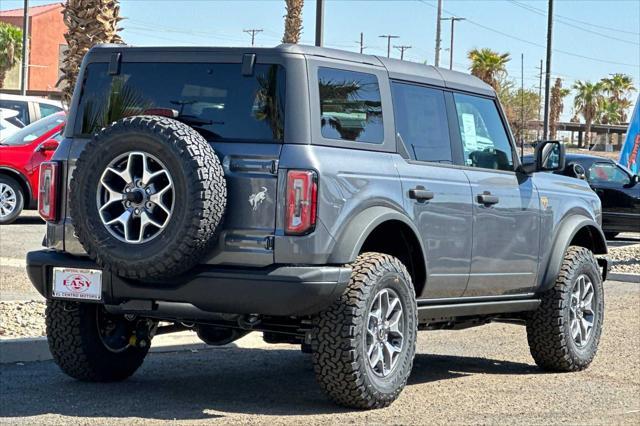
(48, 109)
(215, 99)
(350, 106)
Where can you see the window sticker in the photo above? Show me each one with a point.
(469, 132)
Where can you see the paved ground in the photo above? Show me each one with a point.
(480, 375)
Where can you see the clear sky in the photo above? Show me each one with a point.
(591, 38)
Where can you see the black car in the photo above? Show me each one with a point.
(617, 187)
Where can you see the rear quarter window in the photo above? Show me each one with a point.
(350, 106)
(215, 99)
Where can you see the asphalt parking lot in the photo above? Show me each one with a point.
(479, 375)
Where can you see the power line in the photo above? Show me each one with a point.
(617, 30)
(537, 44)
(540, 12)
(253, 33)
(389, 37)
(402, 49)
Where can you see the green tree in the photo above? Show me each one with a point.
(556, 107)
(10, 49)
(488, 65)
(519, 105)
(618, 87)
(587, 102)
(610, 112)
(293, 21)
(89, 22)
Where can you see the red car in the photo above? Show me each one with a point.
(20, 158)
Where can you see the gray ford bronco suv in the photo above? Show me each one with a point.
(333, 200)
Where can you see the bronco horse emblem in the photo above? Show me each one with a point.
(257, 198)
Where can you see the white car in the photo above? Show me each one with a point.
(30, 108)
(8, 123)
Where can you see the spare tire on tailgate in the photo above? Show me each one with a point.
(146, 197)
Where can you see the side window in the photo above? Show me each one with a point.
(421, 121)
(350, 106)
(19, 106)
(607, 173)
(484, 138)
(46, 109)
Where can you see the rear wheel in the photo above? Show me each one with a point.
(363, 345)
(11, 200)
(565, 331)
(90, 344)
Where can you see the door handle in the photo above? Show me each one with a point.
(487, 199)
(419, 193)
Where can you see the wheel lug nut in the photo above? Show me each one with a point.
(148, 190)
(149, 204)
(137, 211)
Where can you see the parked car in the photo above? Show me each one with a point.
(30, 108)
(9, 124)
(364, 198)
(617, 187)
(20, 156)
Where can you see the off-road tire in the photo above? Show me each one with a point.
(199, 204)
(17, 189)
(339, 355)
(548, 328)
(76, 346)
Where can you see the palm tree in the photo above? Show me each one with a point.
(587, 102)
(488, 65)
(89, 22)
(556, 107)
(617, 87)
(293, 21)
(10, 49)
(609, 112)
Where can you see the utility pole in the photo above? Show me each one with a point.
(253, 33)
(547, 77)
(539, 102)
(453, 20)
(24, 78)
(438, 31)
(522, 123)
(402, 49)
(361, 42)
(319, 21)
(389, 37)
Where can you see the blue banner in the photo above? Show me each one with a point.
(630, 154)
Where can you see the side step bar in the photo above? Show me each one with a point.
(432, 313)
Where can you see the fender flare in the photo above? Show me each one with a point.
(357, 230)
(22, 180)
(568, 229)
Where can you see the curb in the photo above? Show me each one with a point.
(628, 277)
(37, 348)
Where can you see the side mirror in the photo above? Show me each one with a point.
(48, 145)
(550, 156)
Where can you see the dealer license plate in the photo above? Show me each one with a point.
(84, 284)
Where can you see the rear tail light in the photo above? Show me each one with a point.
(47, 191)
(302, 201)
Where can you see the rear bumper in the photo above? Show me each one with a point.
(279, 291)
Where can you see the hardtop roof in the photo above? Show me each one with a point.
(397, 69)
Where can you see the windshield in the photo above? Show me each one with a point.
(216, 99)
(34, 130)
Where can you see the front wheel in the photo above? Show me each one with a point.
(564, 331)
(92, 345)
(363, 345)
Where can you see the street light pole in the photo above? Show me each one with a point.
(319, 21)
(547, 77)
(453, 20)
(24, 78)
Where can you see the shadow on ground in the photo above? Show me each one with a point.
(206, 385)
(27, 220)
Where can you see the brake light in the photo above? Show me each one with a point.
(47, 191)
(302, 201)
